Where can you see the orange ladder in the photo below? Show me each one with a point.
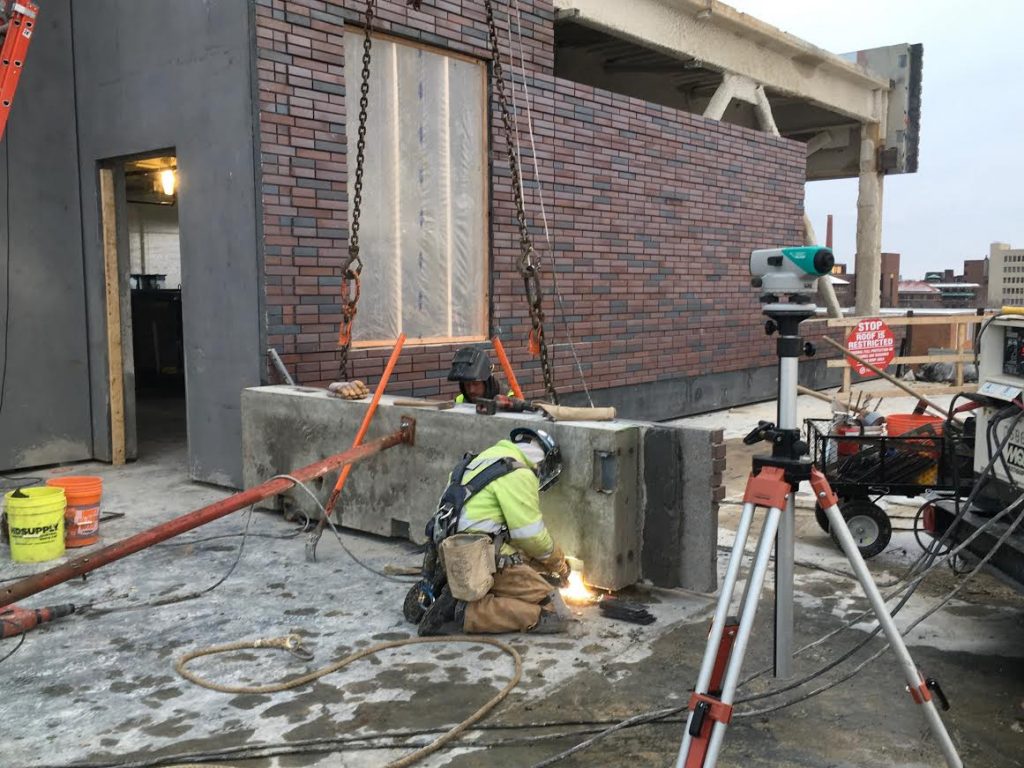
(21, 22)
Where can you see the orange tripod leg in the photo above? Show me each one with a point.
(711, 704)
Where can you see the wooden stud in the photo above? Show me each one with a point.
(963, 357)
(849, 322)
(961, 336)
(112, 282)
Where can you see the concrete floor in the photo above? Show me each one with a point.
(99, 688)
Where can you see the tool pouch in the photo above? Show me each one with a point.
(469, 563)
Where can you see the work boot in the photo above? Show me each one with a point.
(550, 623)
(443, 617)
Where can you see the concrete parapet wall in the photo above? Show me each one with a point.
(616, 475)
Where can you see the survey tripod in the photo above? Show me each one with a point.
(772, 486)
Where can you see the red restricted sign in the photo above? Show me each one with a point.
(873, 341)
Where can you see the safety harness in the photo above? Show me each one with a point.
(445, 521)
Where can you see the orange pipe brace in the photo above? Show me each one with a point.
(365, 426)
(506, 366)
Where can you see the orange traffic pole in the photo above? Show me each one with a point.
(381, 386)
(506, 366)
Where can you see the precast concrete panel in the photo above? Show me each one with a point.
(596, 510)
(44, 359)
(156, 75)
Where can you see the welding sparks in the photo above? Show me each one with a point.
(577, 593)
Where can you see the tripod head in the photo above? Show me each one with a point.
(794, 272)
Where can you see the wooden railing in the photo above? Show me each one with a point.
(959, 340)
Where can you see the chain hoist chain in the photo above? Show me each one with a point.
(353, 266)
(529, 264)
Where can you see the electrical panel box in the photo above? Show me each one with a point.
(1001, 376)
(1013, 351)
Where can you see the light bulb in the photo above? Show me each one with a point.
(167, 181)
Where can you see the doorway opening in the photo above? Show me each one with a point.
(157, 345)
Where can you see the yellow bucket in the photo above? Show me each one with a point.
(36, 524)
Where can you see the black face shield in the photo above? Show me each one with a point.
(550, 467)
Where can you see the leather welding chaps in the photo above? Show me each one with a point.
(512, 605)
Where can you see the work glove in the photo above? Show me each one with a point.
(556, 564)
(563, 571)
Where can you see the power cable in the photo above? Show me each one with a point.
(90, 609)
(21, 642)
(337, 535)
(389, 740)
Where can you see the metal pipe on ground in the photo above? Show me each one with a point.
(93, 560)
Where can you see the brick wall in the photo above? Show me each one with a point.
(653, 212)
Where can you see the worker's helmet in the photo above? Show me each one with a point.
(473, 364)
(541, 448)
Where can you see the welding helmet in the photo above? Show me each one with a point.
(540, 448)
(473, 364)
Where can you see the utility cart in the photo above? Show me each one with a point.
(862, 468)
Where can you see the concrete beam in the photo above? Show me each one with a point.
(615, 493)
(729, 41)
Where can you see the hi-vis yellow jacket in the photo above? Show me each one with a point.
(511, 501)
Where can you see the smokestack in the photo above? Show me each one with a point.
(828, 232)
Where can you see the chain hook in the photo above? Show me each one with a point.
(352, 268)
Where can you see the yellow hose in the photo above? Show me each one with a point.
(292, 644)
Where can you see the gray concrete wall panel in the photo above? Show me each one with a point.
(153, 75)
(45, 412)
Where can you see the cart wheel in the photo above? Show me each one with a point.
(819, 516)
(869, 525)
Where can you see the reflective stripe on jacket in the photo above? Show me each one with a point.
(511, 502)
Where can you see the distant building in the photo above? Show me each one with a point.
(976, 271)
(1005, 275)
(958, 294)
(919, 294)
(890, 288)
(842, 284)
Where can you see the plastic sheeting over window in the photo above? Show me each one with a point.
(422, 237)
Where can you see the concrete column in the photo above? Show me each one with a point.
(716, 107)
(826, 293)
(869, 223)
(763, 108)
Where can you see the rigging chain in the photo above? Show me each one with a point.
(353, 265)
(528, 264)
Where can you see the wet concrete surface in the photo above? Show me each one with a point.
(100, 688)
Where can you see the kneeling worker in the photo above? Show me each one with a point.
(497, 493)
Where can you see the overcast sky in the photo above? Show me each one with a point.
(969, 189)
